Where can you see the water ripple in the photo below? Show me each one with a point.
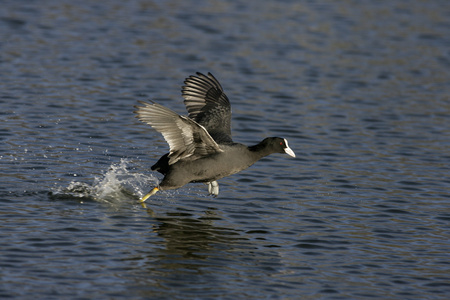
(360, 90)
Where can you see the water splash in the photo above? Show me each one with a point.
(117, 184)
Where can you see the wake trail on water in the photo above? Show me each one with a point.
(117, 184)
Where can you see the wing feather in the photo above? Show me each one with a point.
(208, 105)
(186, 138)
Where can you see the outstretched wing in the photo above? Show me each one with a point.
(186, 138)
(208, 105)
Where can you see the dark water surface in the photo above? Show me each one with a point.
(359, 88)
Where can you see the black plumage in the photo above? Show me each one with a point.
(201, 147)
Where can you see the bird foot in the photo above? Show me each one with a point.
(213, 188)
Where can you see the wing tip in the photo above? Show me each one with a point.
(144, 105)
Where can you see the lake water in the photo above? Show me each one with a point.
(360, 89)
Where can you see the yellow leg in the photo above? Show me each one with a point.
(149, 194)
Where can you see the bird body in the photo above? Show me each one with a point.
(196, 172)
(201, 147)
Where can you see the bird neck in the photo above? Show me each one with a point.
(259, 150)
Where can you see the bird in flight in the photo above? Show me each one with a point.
(201, 147)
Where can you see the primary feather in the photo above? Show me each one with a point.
(186, 138)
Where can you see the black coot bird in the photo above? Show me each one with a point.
(201, 148)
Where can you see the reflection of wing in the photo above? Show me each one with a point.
(186, 138)
(208, 105)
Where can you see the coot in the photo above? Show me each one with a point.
(201, 147)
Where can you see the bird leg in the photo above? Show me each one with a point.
(149, 194)
(213, 188)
